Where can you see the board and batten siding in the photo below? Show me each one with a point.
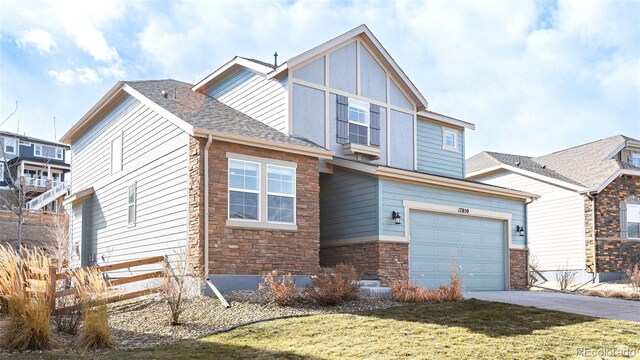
(392, 194)
(348, 205)
(256, 96)
(155, 157)
(432, 158)
(555, 221)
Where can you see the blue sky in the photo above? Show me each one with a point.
(534, 76)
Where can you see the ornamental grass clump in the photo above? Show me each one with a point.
(334, 286)
(280, 289)
(402, 291)
(24, 288)
(633, 274)
(93, 292)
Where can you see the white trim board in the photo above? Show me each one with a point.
(552, 181)
(364, 240)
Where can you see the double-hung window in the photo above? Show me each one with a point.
(450, 139)
(633, 221)
(244, 190)
(358, 115)
(10, 146)
(37, 150)
(635, 159)
(131, 204)
(281, 194)
(59, 153)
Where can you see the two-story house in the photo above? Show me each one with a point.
(331, 156)
(37, 164)
(588, 217)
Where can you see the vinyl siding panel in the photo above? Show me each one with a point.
(75, 226)
(251, 93)
(155, 157)
(432, 158)
(555, 221)
(348, 205)
(392, 194)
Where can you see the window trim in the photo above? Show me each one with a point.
(292, 196)
(635, 155)
(456, 139)
(61, 154)
(230, 189)
(15, 146)
(133, 184)
(367, 111)
(627, 219)
(262, 223)
(35, 148)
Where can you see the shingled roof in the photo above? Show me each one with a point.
(587, 165)
(204, 112)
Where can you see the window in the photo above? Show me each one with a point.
(281, 194)
(37, 150)
(244, 190)
(633, 221)
(450, 139)
(635, 159)
(116, 154)
(59, 154)
(358, 122)
(10, 146)
(1, 171)
(131, 204)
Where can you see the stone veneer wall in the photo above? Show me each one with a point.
(612, 253)
(195, 246)
(256, 252)
(384, 261)
(518, 274)
(589, 236)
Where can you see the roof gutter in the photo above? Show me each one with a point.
(265, 144)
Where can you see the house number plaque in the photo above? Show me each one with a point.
(463, 210)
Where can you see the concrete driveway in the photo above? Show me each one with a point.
(578, 304)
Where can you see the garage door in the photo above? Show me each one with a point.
(476, 246)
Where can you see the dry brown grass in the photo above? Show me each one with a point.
(401, 291)
(24, 285)
(93, 292)
(280, 289)
(618, 294)
(335, 286)
(635, 295)
(175, 287)
(633, 274)
(597, 293)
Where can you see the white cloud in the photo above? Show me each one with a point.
(40, 39)
(82, 75)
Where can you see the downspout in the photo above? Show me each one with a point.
(206, 207)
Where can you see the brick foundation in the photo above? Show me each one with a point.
(518, 269)
(256, 252)
(381, 261)
(611, 252)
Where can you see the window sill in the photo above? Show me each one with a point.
(255, 225)
(452, 149)
(354, 149)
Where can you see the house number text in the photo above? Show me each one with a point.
(463, 210)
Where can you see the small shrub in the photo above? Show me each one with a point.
(334, 286)
(618, 294)
(565, 277)
(597, 293)
(175, 287)
(280, 289)
(28, 316)
(93, 292)
(69, 320)
(633, 274)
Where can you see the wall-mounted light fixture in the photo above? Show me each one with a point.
(520, 230)
(396, 217)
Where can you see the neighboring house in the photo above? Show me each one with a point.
(588, 216)
(329, 157)
(38, 164)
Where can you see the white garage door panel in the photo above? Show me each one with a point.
(476, 245)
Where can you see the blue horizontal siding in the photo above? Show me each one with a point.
(392, 194)
(432, 158)
(348, 205)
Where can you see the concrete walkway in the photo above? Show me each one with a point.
(578, 304)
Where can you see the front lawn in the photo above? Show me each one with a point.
(470, 329)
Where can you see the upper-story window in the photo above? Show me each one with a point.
(10, 146)
(48, 152)
(358, 122)
(450, 139)
(635, 159)
(116, 154)
(244, 190)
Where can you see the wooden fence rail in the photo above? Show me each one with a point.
(55, 276)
